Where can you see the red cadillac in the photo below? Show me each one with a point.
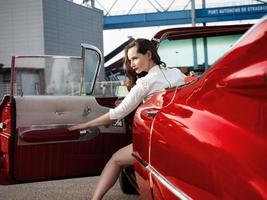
(206, 139)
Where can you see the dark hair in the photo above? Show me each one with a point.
(143, 45)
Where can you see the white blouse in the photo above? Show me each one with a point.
(156, 80)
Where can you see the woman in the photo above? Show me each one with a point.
(140, 57)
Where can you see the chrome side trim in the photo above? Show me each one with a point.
(177, 192)
(141, 161)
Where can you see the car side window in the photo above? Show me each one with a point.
(56, 75)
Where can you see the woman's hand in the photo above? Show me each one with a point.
(77, 127)
(100, 121)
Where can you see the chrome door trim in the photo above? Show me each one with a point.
(176, 191)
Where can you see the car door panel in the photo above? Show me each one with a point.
(44, 148)
(186, 168)
(35, 143)
(143, 123)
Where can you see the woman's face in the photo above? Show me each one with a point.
(139, 62)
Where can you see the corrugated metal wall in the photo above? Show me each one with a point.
(67, 25)
(21, 29)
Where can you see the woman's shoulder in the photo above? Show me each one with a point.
(143, 81)
(174, 72)
(146, 81)
(170, 69)
(152, 75)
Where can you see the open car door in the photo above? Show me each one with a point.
(49, 94)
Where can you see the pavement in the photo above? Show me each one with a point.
(68, 189)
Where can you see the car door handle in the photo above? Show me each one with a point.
(151, 113)
(87, 131)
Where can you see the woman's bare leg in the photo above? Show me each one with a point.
(111, 172)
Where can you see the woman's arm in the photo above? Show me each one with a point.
(102, 120)
(131, 101)
(128, 104)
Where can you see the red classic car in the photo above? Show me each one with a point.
(203, 140)
(208, 139)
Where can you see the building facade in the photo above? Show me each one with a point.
(47, 27)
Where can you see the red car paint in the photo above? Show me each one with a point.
(210, 140)
(5, 136)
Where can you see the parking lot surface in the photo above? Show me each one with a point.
(69, 189)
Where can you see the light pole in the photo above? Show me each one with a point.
(193, 13)
(194, 42)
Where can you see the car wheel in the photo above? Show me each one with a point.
(126, 185)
